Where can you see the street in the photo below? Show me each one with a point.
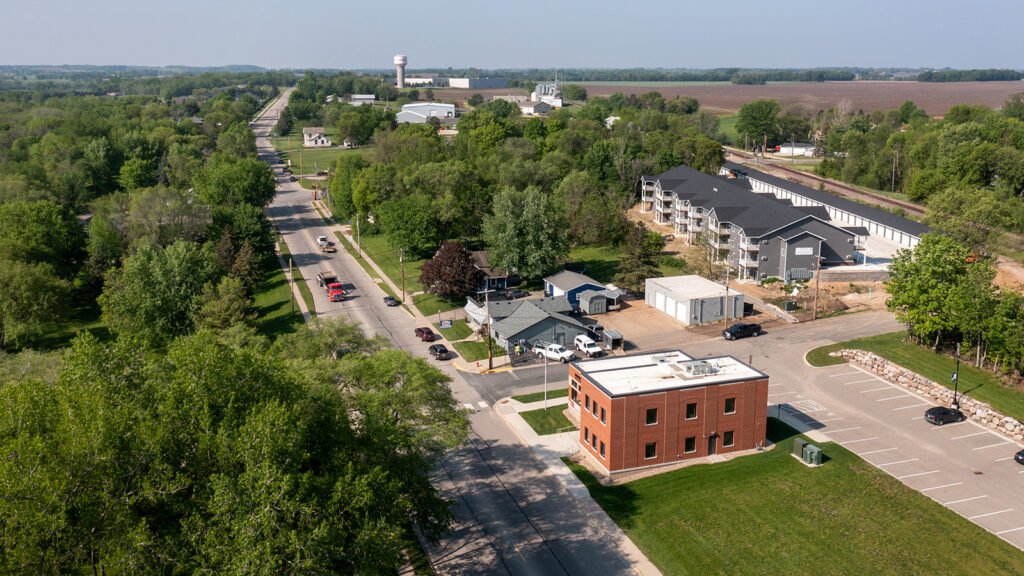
(513, 516)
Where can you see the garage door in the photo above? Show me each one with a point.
(682, 312)
(659, 301)
(670, 306)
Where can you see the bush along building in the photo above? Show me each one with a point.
(648, 410)
(759, 235)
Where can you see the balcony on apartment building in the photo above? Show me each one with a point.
(750, 245)
(746, 261)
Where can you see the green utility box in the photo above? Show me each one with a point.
(798, 447)
(812, 455)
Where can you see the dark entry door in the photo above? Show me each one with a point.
(712, 444)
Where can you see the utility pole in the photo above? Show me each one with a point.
(291, 285)
(359, 245)
(490, 353)
(401, 260)
(727, 270)
(956, 378)
(817, 281)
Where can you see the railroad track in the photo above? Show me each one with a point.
(839, 187)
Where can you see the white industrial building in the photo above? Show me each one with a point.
(420, 112)
(550, 94)
(481, 83)
(692, 299)
(360, 99)
(533, 108)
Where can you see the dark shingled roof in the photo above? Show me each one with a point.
(874, 214)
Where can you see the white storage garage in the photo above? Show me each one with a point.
(692, 299)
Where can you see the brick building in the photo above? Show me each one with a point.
(655, 409)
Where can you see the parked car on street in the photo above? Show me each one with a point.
(425, 334)
(940, 415)
(741, 330)
(391, 301)
(439, 352)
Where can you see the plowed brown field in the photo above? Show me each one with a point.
(935, 98)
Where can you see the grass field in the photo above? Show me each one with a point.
(362, 261)
(652, 84)
(550, 421)
(309, 159)
(895, 346)
(272, 304)
(727, 127)
(474, 351)
(602, 262)
(769, 514)
(379, 250)
(307, 296)
(458, 331)
(560, 392)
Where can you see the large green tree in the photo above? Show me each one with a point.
(758, 120)
(974, 217)
(526, 232)
(227, 180)
(31, 296)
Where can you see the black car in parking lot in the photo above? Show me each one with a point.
(940, 415)
(439, 352)
(1019, 457)
(741, 331)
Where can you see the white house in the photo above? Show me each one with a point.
(313, 137)
(534, 107)
(419, 112)
(692, 299)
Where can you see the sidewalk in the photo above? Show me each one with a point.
(551, 449)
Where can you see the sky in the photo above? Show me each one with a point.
(488, 34)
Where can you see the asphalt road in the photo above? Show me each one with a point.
(513, 516)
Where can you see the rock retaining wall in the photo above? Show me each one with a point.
(977, 411)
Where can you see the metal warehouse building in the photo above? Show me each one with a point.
(656, 409)
(692, 299)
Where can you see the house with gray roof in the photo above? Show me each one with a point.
(530, 323)
(478, 309)
(759, 235)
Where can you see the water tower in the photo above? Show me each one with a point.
(400, 62)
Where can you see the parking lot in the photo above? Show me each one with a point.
(962, 466)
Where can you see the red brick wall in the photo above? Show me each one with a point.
(626, 433)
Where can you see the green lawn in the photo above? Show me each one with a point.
(560, 392)
(458, 331)
(307, 296)
(429, 304)
(550, 421)
(474, 351)
(272, 304)
(977, 384)
(727, 127)
(602, 263)
(362, 261)
(769, 514)
(309, 159)
(380, 251)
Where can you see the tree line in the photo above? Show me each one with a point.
(987, 75)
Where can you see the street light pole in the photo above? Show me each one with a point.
(401, 260)
(956, 378)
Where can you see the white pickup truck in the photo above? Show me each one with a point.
(553, 352)
(586, 345)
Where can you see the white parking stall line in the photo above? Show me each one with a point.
(918, 474)
(991, 446)
(947, 426)
(917, 418)
(968, 435)
(771, 385)
(846, 374)
(912, 406)
(841, 430)
(482, 404)
(1021, 472)
(877, 451)
(943, 486)
(965, 500)
(989, 514)
(894, 397)
(1010, 530)
(876, 389)
(831, 419)
(861, 381)
(1004, 459)
(858, 440)
(780, 394)
(897, 462)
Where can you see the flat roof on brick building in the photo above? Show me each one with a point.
(648, 373)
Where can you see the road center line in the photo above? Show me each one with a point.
(943, 486)
(965, 499)
(859, 440)
(877, 451)
(841, 430)
(897, 462)
(876, 389)
(968, 435)
(918, 474)
(989, 514)
(991, 445)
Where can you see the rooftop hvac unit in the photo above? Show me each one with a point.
(798, 447)
(698, 368)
